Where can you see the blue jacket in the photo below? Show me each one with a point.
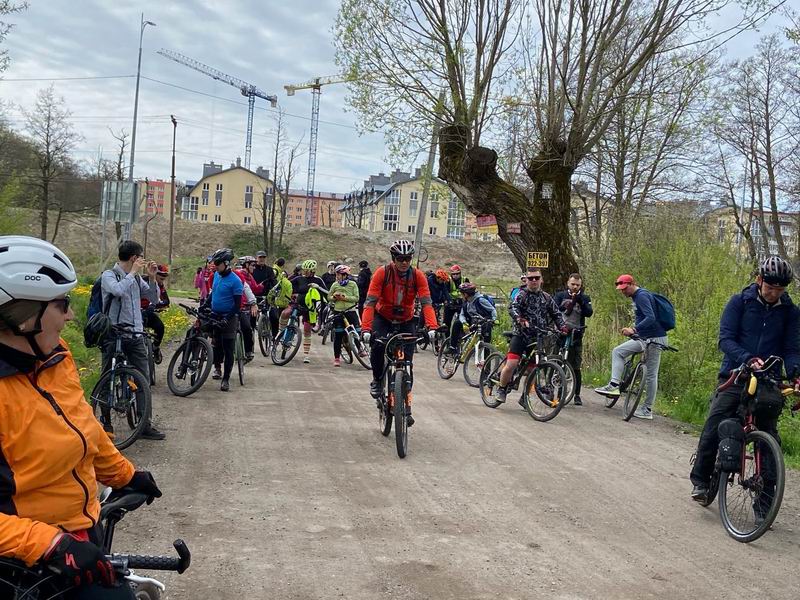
(749, 327)
(645, 323)
(226, 293)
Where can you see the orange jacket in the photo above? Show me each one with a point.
(52, 453)
(398, 292)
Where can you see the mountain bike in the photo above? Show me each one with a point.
(264, 331)
(472, 353)
(569, 371)
(19, 582)
(352, 344)
(634, 378)
(750, 496)
(148, 338)
(121, 398)
(543, 392)
(190, 364)
(288, 341)
(394, 398)
(326, 328)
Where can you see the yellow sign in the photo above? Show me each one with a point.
(538, 259)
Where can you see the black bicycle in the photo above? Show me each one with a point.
(264, 329)
(121, 398)
(19, 582)
(394, 401)
(191, 363)
(289, 339)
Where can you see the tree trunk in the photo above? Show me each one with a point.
(58, 222)
(43, 206)
(272, 218)
(264, 232)
(472, 174)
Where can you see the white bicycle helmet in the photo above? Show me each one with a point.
(32, 269)
(402, 248)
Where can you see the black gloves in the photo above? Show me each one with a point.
(82, 563)
(143, 482)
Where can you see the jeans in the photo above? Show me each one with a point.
(135, 352)
(631, 347)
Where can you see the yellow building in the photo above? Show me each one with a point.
(722, 223)
(232, 196)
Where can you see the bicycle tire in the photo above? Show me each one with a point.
(264, 334)
(124, 373)
(626, 374)
(546, 380)
(446, 364)
(282, 353)
(713, 487)
(198, 347)
(569, 378)
(358, 346)
(633, 393)
(146, 591)
(438, 341)
(239, 355)
(471, 371)
(151, 361)
(385, 415)
(347, 351)
(760, 441)
(400, 423)
(490, 373)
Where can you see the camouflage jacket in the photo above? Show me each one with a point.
(538, 308)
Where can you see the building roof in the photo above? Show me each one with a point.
(233, 168)
(323, 195)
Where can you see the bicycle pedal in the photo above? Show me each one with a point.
(132, 384)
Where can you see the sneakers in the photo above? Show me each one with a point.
(151, 433)
(700, 493)
(375, 389)
(306, 359)
(337, 362)
(577, 401)
(409, 418)
(224, 386)
(249, 356)
(643, 413)
(501, 394)
(217, 373)
(609, 389)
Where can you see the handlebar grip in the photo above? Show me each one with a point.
(153, 563)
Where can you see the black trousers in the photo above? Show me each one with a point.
(725, 405)
(575, 359)
(224, 344)
(151, 320)
(381, 327)
(246, 323)
(338, 331)
(451, 311)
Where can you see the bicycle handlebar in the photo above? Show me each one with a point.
(155, 563)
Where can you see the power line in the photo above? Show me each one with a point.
(2, 79)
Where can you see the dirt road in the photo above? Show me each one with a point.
(286, 489)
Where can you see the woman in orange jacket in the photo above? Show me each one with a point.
(52, 449)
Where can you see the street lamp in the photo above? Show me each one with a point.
(136, 107)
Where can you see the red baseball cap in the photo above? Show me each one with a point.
(624, 280)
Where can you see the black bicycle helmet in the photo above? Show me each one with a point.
(96, 329)
(775, 271)
(223, 255)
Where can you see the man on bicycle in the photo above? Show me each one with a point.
(122, 288)
(474, 305)
(576, 307)
(226, 300)
(452, 305)
(758, 322)
(531, 311)
(389, 307)
(646, 327)
(156, 299)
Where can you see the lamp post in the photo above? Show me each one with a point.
(172, 192)
(136, 110)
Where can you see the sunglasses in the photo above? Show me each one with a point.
(534, 278)
(404, 258)
(64, 302)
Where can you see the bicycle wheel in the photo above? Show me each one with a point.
(286, 345)
(359, 350)
(151, 360)
(569, 378)
(385, 414)
(239, 355)
(122, 404)
(544, 391)
(347, 351)
(749, 501)
(264, 334)
(446, 363)
(189, 366)
(472, 368)
(326, 331)
(633, 393)
(713, 487)
(400, 424)
(626, 377)
(438, 340)
(490, 377)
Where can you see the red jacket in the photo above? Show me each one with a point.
(256, 288)
(398, 291)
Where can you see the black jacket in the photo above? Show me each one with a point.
(566, 305)
(364, 277)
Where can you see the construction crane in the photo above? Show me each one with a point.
(315, 85)
(247, 89)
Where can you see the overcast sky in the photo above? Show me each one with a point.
(265, 42)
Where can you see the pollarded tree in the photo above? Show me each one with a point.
(575, 63)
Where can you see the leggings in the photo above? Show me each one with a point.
(246, 323)
(338, 331)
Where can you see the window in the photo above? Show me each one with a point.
(413, 204)
(205, 186)
(205, 197)
(189, 209)
(412, 229)
(204, 217)
(218, 199)
(219, 187)
(434, 205)
(217, 219)
(456, 219)
(391, 210)
(432, 230)
(248, 220)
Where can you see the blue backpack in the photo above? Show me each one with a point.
(96, 298)
(665, 312)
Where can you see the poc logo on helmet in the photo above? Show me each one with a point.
(33, 277)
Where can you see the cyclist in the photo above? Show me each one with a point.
(531, 310)
(279, 298)
(52, 449)
(364, 277)
(278, 268)
(523, 282)
(329, 277)
(343, 300)
(646, 327)
(758, 322)
(226, 301)
(157, 299)
(389, 307)
(249, 308)
(307, 301)
(263, 273)
(452, 307)
(576, 307)
(122, 288)
(474, 304)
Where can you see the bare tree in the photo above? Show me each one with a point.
(7, 7)
(279, 139)
(53, 138)
(287, 175)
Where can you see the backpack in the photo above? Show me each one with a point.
(413, 275)
(665, 312)
(96, 328)
(481, 309)
(96, 298)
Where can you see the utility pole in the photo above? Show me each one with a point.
(423, 207)
(172, 192)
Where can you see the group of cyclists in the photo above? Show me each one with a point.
(52, 446)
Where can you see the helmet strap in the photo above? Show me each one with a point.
(30, 334)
